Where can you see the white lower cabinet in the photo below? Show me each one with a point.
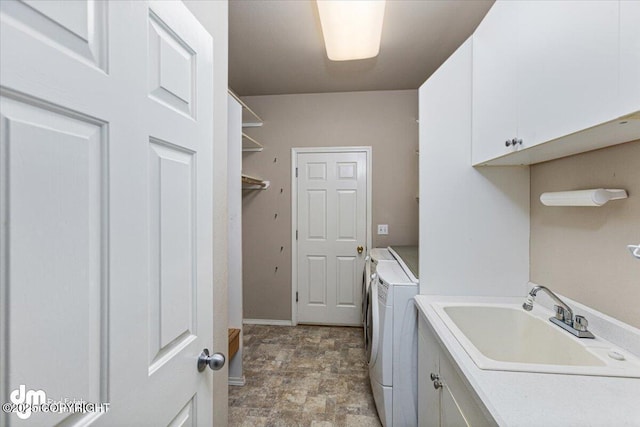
(450, 413)
(444, 397)
(428, 397)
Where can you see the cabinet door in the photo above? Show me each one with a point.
(459, 405)
(450, 413)
(629, 57)
(494, 82)
(428, 396)
(567, 67)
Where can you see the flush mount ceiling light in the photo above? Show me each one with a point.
(351, 28)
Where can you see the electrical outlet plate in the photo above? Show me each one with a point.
(383, 229)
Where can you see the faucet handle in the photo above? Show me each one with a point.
(559, 312)
(580, 323)
(563, 315)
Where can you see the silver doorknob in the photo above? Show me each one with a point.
(215, 361)
(360, 249)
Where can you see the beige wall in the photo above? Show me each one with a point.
(581, 251)
(384, 120)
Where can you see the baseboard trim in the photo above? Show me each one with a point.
(237, 381)
(272, 322)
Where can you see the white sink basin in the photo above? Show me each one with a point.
(504, 337)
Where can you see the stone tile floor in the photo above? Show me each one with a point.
(312, 376)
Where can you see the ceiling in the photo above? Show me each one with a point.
(276, 46)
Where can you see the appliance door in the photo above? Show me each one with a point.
(366, 281)
(366, 321)
(373, 321)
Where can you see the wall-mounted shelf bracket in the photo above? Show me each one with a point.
(594, 197)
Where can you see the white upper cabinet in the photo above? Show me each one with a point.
(551, 74)
(494, 82)
(629, 56)
(567, 67)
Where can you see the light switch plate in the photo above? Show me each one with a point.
(383, 229)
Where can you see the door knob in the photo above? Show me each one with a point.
(215, 361)
(360, 249)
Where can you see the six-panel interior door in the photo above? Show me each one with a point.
(106, 209)
(332, 220)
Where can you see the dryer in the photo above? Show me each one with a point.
(371, 262)
(393, 363)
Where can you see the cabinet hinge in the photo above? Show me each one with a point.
(296, 297)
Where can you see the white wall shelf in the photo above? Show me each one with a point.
(251, 124)
(250, 144)
(249, 117)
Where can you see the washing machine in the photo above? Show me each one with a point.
(375, 256)
(393, 363)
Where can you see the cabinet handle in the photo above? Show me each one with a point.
(434, 377)
(513, 142)
(437, 384)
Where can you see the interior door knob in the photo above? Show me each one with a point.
(360, 249)
(215, 361)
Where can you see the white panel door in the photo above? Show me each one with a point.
(106, 208)
(332, 225)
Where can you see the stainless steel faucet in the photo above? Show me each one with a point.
(577, 325)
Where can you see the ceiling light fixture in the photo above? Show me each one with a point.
(351, 28)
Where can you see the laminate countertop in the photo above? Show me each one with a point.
(543, 399)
